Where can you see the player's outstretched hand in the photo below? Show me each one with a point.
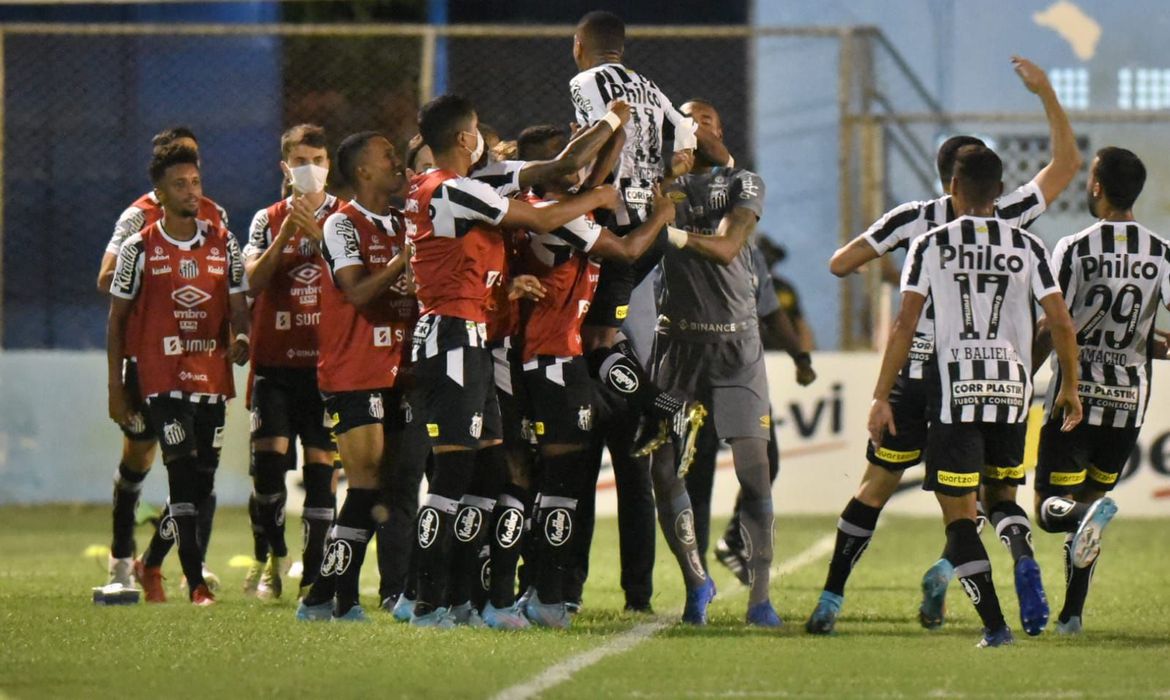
(663, 205)
(621, 109)
(1034, 77)
(611, 197)
(120, 411)
(805, 374)
(1068, 402)
(881, 421)
(525, 287)
(681, 163)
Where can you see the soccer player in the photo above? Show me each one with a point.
(1114, 276)
(366, 314)
(185, 279)
(454, 224)
(709, 350)
(598, 45)
(556, 381)
(284, 268)
(139, 441)
(982, 274)
(915, 387)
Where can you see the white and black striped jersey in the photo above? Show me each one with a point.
(982, 275)
(905, 222)
(146, 210)
(502, 175)
(1114, 276)
(644, 157)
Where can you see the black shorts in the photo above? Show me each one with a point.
(286, 403)
(1088, 456)
(515, 412)
(561, 399)
(139, 429)
(914, 403)
(187, 427)
(353, 409)
(457, 392)
(961, 455)
(611, 301)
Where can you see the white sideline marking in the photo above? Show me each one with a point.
(559, 673)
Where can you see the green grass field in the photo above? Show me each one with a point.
(56, 643)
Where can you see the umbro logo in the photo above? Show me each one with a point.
(189, 296)
(305, 274)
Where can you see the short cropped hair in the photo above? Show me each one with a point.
(170, 155)
(1122, 176)
(309, 135)
(441, 120)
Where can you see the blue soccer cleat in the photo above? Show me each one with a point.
(762, 614)
(1030, 591)
(555, 615)
(438, 618)
(824, 616)
(322, 612)
(354, 614)
(932, 611)
(999, 638)
(465, 615)
(1086, 544)
(695, 612)
(504, 618)
(1070, 627)
(403, 609)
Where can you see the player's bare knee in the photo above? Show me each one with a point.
(279, 445)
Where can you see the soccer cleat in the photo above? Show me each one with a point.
(209, 578)
(321, 612)
(685, 427)
(573, 606)
(695, 612)
(504, 618)
(1086, 544)
(649, 438)
(122, 572)
(465, 615)
(824, 616)
(354, 614)
(389, 602)
(116, 594)
(271, 583)
(932, 611)
(733, 559)
(151, 580)
(403, 609)
(1030, 591)
(1070, 627)
(762, 614)
(438, 618)
(554, 615)
(999, 638)
(252, 578)
(202, 596)
(632, 609)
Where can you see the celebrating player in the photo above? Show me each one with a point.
(915, 388)
(284, 268)
(1114, 276)
(184, 277)
(982, 274)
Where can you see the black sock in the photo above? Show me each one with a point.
(507, 532)
(259, 541)
(206, 517)
(183, 521)
(1013, 528)
(1059, 514)
(317, 516)
(347, 546)
(561, 485)
(619, 370)
(161, 540)
(270, 494)
(453, 472)
(1076, 584)
(127, 487)
(973, 569)
(854, 530)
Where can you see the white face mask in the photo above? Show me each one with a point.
(478, 147)
(308, 179)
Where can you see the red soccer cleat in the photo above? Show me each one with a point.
(151, 580)
(202, 596)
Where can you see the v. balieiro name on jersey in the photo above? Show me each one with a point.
(1114, 276)
(982, 275)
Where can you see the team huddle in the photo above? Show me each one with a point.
(461, 317)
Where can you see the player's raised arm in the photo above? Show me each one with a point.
(581, 151)
(1066, 158)
(737, 226)
(520, 214)
(634, 245)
